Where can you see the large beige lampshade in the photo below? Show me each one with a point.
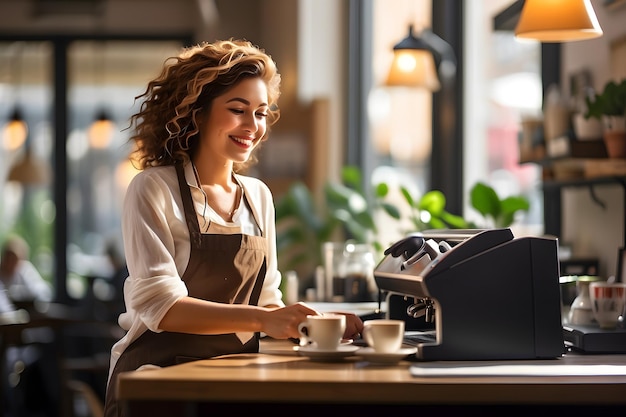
(30, 170)
(413, 65)
(558, 21)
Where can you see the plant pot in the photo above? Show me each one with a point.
(587, 129)
(615, 142)
(614, 123)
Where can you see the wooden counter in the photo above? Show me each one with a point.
(280, 379)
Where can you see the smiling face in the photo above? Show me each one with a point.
(235, 123)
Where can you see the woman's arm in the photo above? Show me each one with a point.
(192, 315)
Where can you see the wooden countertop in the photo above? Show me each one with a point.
(280, 375)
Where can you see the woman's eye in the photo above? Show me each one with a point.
(261, 114)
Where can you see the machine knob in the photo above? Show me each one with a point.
(417, 309)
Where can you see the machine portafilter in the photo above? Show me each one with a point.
(422, 307)
(413, 249)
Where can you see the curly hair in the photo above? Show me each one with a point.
(166, 127)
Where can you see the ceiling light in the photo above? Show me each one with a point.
(558, 21)
(101, 131)
(413, 64)
(30, 170)
(15, 131)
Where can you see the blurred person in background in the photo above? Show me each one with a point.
(19, 276)
(31, 366)
(6, 306)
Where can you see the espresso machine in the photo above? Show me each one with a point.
(482, 294)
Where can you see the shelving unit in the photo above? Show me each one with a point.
(596, 171)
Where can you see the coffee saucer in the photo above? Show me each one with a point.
(372, 356)
(316, 354)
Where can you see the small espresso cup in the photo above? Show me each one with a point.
(323, 332)
(384, 336)
(608, 301)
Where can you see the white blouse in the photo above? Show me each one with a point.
(157, 245)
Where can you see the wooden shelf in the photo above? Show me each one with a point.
(582, 182)
(566, 172)
(598, 168)
(572, 169)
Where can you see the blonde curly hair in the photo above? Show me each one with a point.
(166, 126)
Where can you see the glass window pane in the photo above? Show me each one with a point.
(503, 89)
(26, 205)
(104, 79)
(399, 118)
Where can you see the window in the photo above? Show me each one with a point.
(503, 89)
(27, 207)
(104, 77)
(70, 219)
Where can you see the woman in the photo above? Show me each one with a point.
(199, 237)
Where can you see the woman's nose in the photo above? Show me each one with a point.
(251, 123)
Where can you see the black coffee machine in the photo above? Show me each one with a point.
(478, 294)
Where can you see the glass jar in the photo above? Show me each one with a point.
(353, 280)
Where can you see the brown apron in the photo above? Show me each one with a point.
(225, 268)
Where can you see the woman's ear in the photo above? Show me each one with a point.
(199, 118)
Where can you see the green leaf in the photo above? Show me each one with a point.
(505, 220)
(351, 176)
(510, 206)
(357, 230)
(514, 203)
(338, 194)
(304, 206)
(485, 200)
(381, 190)
(611, 102)
(407, 196)
(436, 223)
(454, 221)
(434, 202)
(391, 210)
(365, 219)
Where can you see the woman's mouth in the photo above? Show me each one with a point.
(246, 142)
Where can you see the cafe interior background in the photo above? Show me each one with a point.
(64, 65)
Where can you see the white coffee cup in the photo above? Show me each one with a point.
(608, 301)
(323, 331)
(384, 336)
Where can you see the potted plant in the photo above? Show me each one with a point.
(429, 212)
(610, 108)
(348, 211)
(585, 128)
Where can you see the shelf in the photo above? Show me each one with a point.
(565, 149)
(601, 168)
(582, 182)
(572, 171)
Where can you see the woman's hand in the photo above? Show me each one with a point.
(282, 323)
(354, 326)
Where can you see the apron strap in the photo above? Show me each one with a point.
(191, 217)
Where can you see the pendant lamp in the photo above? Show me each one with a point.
(30, 170)
(101, 131)
(558, 21)
(15, 131)
(413, 64)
